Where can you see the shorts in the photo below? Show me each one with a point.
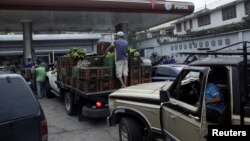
(121, 68)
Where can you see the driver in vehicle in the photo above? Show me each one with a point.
(214, 100)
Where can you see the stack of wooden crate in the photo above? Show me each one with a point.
(88, 79)
(146, 73)
(98, 77)
(134, 76)
(138, 73)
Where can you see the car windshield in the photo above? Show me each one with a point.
(18, 102)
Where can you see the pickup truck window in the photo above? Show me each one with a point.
(20, 97)
(165, 72)
(188, 87)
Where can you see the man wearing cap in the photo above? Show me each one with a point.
(121, 63)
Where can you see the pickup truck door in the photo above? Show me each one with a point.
(52, 80)
(181, 117)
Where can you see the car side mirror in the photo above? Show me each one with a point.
(164, 96)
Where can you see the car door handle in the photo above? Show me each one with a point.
(194, 117)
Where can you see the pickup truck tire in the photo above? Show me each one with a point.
(70, 106)
(129, 130)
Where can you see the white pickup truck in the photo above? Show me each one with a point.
(51, 85)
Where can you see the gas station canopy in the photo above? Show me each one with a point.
(89, 15)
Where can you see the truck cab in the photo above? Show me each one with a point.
(177, 110)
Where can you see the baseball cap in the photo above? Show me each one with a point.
(120, 33)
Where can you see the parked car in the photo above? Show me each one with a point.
(22, 118)
(166, 72)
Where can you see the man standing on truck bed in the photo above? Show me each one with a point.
(121, 64)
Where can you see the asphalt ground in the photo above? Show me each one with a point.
(62, 127)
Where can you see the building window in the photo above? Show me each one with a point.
(185, 46)
(180, 55)
(185, 25)
(220, 42)
(172, 54)
(191, 24)
(190, 45)
(195, 45)
(227, 41)
(178, 26)
(172, 48)
(247, 7)
(176, 54)
(176, 47)
(213, 43)
(204, 20)
(229, 13)
(201, 44)
(180, 47)
(207, 44)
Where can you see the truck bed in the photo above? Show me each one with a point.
(85, 94)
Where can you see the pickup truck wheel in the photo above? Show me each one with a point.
(70, 106)
(129, 130)
(48, 94)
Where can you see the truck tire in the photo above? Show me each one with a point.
(48, 94)
(70, 106)
(129, 130)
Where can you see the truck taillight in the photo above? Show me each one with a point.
(43, 130)
(98, 104)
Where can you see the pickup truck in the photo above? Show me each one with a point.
(176, 110)
(90, 104)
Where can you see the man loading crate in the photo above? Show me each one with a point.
(121, 63)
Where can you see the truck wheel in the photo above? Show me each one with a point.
(70, 106)
(129, 130)
(48, 94)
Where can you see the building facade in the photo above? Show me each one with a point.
(207, 28)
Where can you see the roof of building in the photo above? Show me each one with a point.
(85, 36)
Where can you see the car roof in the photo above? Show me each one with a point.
(4, 74)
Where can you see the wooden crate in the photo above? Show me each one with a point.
(64, 61)
(88, 86)
(134, 61)
(116, 83)
(90, 73)
(134, 80)
(71, 62)
(71, 81)
(63, 71)
(135, 71)
(64, 79)
(106, 73)
(106, 84)
(95, 61)
(146, 71)
(146, 79)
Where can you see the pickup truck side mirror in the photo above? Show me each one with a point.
(164, 96)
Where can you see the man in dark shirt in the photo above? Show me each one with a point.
(121, 47)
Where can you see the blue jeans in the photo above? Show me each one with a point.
(41, 89)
